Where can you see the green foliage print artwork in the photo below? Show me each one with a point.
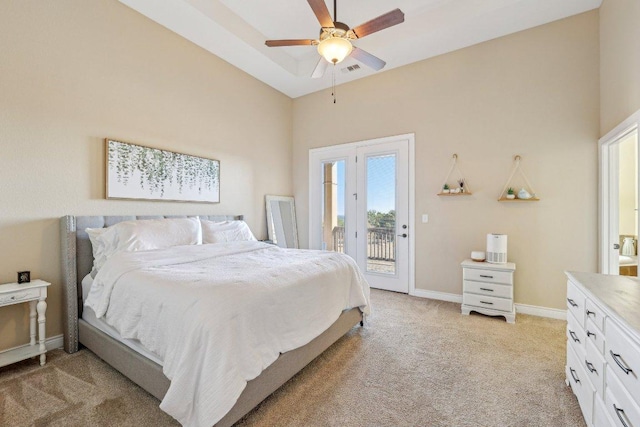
(138, 172)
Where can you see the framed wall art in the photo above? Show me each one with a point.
(139, 172)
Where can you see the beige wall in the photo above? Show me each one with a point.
(534, 93)
(75, 72)
(619, 61)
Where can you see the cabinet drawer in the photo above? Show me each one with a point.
(580, 384)
(575, 302)
(600, 416)
(594, 366)
(595, 335)
(26, 295)
(485, 275)
(594, 313)
(491, 289)
(493, 303)
(575, 335)
(623, 357)
(620, 406)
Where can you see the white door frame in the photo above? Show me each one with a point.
(608, 201)
(410, 137)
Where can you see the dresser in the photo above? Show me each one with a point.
(488, 289)
(34, 293)
(603, 347)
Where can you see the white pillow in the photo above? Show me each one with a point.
(141, 235)
(226, 231)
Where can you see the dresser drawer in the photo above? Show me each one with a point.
(500, 304)
(486, 275)
(594, 313)
(594, 366)
(620, 406)
(575, 302)
(13, 297)
(595, 335)
(491, 289)
(580, 384)
(623, 357)
(575, 335)
(600, 416)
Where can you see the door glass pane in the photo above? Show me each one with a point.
(333, 206)
(381, 214)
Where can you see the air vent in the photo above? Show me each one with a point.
(351, 68)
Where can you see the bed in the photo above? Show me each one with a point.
(77, 263)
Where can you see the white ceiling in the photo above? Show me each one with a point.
(235, 30)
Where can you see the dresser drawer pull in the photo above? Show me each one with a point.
(573, 374)
(590, 334)
(616, 358)
(486, 276)
(485, 302)
(574, 336)
(589, 313)
(590, 367)
(486, 289)
(572, 302)
(619, 413)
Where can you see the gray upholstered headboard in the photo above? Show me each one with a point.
(77, 262)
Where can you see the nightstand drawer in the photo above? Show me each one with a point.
(595, 335)
(575, 303)
(490, 289)
(594, 313)
(575, 335)
(500, 304)
(17, 296)
(623, 357)
(486, 275)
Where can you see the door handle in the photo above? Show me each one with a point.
(402, 235)
(616, 246)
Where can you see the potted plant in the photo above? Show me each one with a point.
(511, 193)
(445, 189)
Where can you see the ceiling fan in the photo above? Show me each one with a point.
(334, 43)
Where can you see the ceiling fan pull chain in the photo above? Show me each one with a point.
(333, 81)
(335, 11)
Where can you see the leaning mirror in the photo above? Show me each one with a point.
(281, 221)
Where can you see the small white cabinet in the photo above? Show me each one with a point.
(488, 289)
(35, 293)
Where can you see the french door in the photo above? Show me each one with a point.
(360, 205)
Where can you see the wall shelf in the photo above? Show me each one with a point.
(529, 189)
(504, 199)
(454, 194)
(466, 191)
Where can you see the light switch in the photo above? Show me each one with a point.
(425, 218)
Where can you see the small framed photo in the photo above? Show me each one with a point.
(24, 277)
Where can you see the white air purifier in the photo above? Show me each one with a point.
(497, 248)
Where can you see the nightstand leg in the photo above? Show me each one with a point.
(32, 321)
(42, 308)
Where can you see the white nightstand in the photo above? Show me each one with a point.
(35, 293)
(488, 289)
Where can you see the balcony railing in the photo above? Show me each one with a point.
(381, 242)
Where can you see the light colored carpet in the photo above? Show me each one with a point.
(417, 362)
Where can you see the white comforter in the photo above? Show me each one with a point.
(218, 315)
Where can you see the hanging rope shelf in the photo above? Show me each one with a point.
(526, 194)
(460, 188)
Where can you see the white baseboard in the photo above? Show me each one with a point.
(440, 296)
(532, 310)
(51, 343)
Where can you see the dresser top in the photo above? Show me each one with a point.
(620, 294)
(508, 266)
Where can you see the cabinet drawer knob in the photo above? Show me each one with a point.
(486, 276)
(591, 334)
(572, 302)
(486, 302)
(486, 289)
(574, 336)
(620, 413)
(589, 313)
(618, 360)
(574, 375)
(590, 366)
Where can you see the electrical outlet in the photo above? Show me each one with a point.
(425, 218)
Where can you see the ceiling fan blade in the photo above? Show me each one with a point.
(320, 69)
(387, 20)
(279, 43)
(319, 7)
(367, 59)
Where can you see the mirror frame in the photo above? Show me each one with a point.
(271, 225)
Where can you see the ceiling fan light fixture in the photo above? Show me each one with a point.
(335, 49)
